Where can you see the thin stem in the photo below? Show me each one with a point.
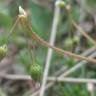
(26, 77)
(58, 50)
(30, 52)
(77, 66)
(84, 33)
(13, 27)
(72, 80)
(49, 54)
(15, 77)
(51, 42)
(81, 30)
(71, 34)
(11, 30)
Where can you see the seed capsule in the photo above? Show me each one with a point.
(76, 39)
(60, 3)
(68, 43)
(3, 51)
(36, 72)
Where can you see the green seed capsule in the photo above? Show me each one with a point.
(60, 3)
(36, 72)
(68, 43)
(76, 40)
(3, 51)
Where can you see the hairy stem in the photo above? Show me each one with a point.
(58, 50)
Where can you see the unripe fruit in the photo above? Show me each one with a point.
(68, 43)
(3, 51)
(76, 39)
(36, 72)
(60, 4)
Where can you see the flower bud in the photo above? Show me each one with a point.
(22, 13)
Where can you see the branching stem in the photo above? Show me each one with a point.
(46, 44)
(58, 50)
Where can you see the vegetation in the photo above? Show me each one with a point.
(23, 58)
